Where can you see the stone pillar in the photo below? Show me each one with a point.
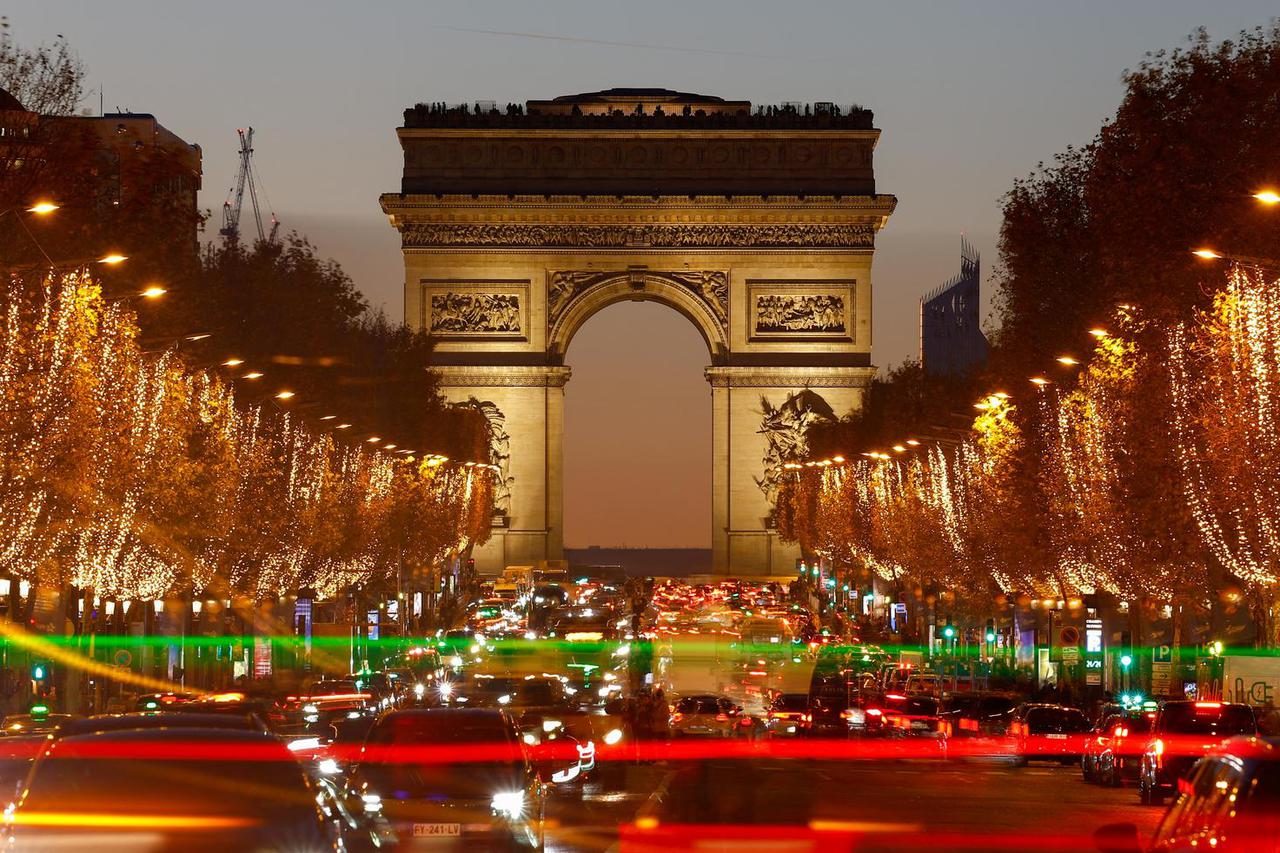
(747, 442)
(526, 405)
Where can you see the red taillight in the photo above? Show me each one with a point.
(1157, 749)
(676, 717)
(847, 714)
(722, 718)
(746, 721)
(897, 696)
(808, 718)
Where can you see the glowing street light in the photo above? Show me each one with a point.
(1098, 333)
(113, 259)
(233, 362)
(42, 208)
(1066, 359)
(329, 417)
(898, 448)
(1267, 196)
(1039, 380)
(153, 292)
(252, 375)
(913, 442)
(373, 439)
(343, 426)
(285, 395)
(1207, 254)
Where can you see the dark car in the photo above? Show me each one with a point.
(1229, 802)
(977, 714)
(168, 789)
(1182, 733)
(788, 715)
(426, 776)
(1117, 748)
(1048, 732)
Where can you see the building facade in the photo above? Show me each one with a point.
(951, 338)
(757, 225)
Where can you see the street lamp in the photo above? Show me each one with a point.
(113, 259)
(1267, 197)
(42, 208)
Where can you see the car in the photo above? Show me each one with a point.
(1183, 731)
(915, 716)
(1112, 753)
(238, 790)
(425, 776)
(1041, 731)
(788, 715)
(707, 715)
(1229, 802)
(977, 714)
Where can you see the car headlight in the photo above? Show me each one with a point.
(504, 699)
(613, 736)
(310, 709)
(419, 690)
(551, 725)
(372, 803)
(509, 804)
(328, 766)
(455, 661)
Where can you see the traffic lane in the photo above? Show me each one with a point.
(889, 806)
(591, 824)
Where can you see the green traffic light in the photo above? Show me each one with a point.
(991, 637)
(39, 672)
(1126, 660)
(948, 632)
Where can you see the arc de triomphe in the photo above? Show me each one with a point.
(758, 225)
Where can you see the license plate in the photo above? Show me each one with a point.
(1056, 737)
(435, 830)
(919, 724)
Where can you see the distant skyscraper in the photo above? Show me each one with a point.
(951, 339)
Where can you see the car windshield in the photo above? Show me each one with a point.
(1207, 719)
(335, 687)
(257, 780)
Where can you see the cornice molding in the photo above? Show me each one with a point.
(463, 376)
(790, 377)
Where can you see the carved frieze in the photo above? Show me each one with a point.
(779, 313)
(798, 308)
(479, 309)
(683, 236)
(709, 286)
(475, 312)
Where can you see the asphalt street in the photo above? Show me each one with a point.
(865, 806)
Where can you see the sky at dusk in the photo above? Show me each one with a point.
(969, 96)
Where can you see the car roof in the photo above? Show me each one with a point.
(157, 720)
(185, 735)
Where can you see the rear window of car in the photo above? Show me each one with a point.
(791, 702)
(1207, 719)
(697, 705)
(439, 728)
(333, 688)
(994, 705)
(1057, 720)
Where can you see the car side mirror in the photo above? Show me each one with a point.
(1117, 838)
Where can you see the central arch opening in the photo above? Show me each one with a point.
(637, 432)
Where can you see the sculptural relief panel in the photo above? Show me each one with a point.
(486, 310)
(794, 310)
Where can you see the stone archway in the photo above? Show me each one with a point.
(760, 230)
(573, 297)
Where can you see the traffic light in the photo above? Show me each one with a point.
(39, 671)
(1126, 660)
(949, 630)
(991, 631)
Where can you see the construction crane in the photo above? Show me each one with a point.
(247, 176)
